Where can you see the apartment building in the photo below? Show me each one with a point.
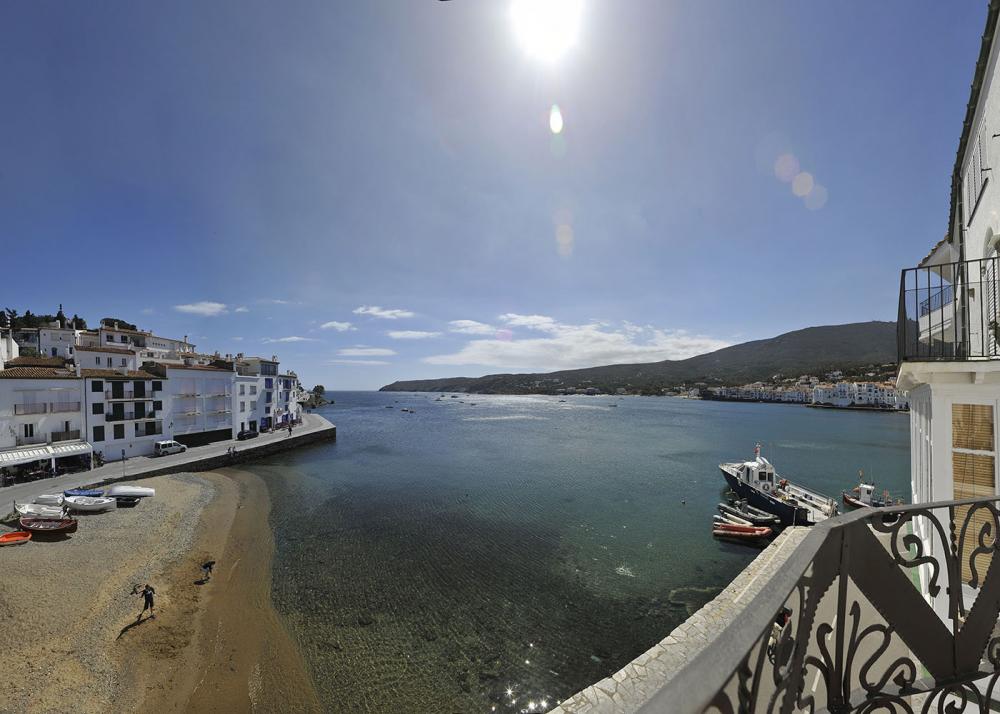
(200, 398)
(124, 411)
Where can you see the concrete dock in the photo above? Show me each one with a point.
(313, 428)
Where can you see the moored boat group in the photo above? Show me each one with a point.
(53, 514)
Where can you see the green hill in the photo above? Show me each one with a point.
(814, 350)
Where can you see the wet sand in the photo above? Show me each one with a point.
(212, 647)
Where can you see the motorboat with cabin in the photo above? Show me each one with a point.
(757, 483)
(864, 495)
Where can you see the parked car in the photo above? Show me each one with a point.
(247, 434)
(162, 448)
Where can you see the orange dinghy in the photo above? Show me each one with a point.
(15, 538)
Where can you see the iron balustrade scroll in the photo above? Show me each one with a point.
(950, 311)
(879, 610)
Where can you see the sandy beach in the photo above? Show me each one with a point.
(213, 646)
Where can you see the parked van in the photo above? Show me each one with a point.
(162, 448)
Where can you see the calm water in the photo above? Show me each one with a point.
(431, 561)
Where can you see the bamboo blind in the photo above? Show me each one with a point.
(972, 426)
(973, 478)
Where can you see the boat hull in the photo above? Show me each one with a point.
(131, 491)
(15, 538)
(788, 515)
(49, 525)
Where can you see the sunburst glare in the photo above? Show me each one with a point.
(546, 29)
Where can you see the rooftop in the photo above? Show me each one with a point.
(36, 362)
(115, 350)
(113, 374)
(36, 373)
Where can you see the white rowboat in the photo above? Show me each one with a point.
(37, 511)
(131, 491)
(89, 503)
(49, 499)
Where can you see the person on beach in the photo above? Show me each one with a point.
(206, 570)
(289, 428)
(147, 594)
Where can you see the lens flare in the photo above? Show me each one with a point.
(546, 29)
(803, 184)
(817, 198)
(555, 119)
(564, 243)
(786, 167)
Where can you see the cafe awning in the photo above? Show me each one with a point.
(27, 454)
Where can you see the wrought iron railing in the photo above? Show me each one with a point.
(888, 610)
(950, 312)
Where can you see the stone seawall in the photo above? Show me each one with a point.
(634, 684)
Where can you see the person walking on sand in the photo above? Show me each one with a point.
(206, 570)
(289, 428)
(147, 594)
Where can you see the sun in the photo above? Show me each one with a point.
(546, 29)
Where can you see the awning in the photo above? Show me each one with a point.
(27, 454)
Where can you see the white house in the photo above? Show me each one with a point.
(125, 410)
(102, 357)
(201, 399)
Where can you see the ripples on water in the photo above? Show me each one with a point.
(465, 557)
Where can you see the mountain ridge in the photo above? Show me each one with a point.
(810, 350)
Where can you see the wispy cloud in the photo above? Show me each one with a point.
(358, 362)
(365, 352)
(338, 326)
(383, 313)
(471, 327)
(293, 338)
(237, 339)
(411, 334)
(567, 346)
(242, 308)
(147, 311)
(204, 308)
(278, 301)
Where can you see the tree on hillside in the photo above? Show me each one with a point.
(110, 321)
(79, 322)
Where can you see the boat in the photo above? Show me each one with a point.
(131, 491)
(39, 511)
(48, 525)
(732, 520)
(92, 492)
(89, 503)
(755, 531)
(15, 538)
(49, 499)
(757, 483)
(864, 496)
(126, 501)
(751, 515)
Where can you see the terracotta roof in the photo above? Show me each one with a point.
(115, 350)
(112, 374)
(36, 362)
(36, 373)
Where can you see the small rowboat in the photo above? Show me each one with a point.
(37, 511)
(49, 525)
(89, 503)
(92, 492)
(15, 538)
(733, 520)
(751, 531)
(49, 499)
(752, 515)
(748, 538)
(131, 491)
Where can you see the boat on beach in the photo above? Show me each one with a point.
(15, 538)
(48, 525)
(92, 492)
(49, 499)
(39, 510)
(757, 483)
(131, 491)
(90, 504)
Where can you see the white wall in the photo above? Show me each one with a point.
(54, 398)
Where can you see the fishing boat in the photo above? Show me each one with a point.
(15, 538)
(757, 483)
(131, 491)
(49, 499)
(754, 516)
(89, 504)
(48, 525)
(864, 496)
(39, 511)
(92, 492)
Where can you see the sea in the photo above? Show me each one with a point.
(479, 553)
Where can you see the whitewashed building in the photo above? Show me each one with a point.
(200, 398)
(124, 411)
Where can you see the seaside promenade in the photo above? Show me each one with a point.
(199, 458)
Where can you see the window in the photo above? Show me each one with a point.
(97, 386)
(29, 430)
(124, 362)
(973, 460)
(109, 362)
(243, 389)
(243, 406)
(109, 338)
(157, 386)
(253, 389)
(119, 431)
(97, 408)
(268, 383)
(98, 433)
(137, 428)
(253, 406)
(267, 397)
(122, 338)
(53, 351)
(157, 406)
(267, 410)
(98, 360)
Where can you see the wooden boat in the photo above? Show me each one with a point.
(89, 503)
(92, 492)
(131, 491)
(751, 515)
(755, 531)
(15, 538)
(48, 525)
(49, 499)
(39, 511)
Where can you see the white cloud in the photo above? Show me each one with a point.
(471, 327)
(358, 362)
(338, 326)
(411, 334)
(381, 312)
(237, 339)
(204, 308)
(147, 311)
(365, 352)
(242, 308)
(565, 346)
(293, 338)
(279, 301)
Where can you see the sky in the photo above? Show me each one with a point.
(375, 190)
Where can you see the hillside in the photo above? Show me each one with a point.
(814, 350)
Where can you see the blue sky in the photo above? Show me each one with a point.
(372, 190)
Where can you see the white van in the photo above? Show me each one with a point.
(162, 448)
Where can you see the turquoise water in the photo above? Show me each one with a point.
(432, 561)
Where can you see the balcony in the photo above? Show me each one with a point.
(58, 407)
(124, 416)
(65, 435)
(950, 312)
(126, 394)
(31, 440)
(20, 409)
(888, 609)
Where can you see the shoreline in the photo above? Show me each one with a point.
(217, 646)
